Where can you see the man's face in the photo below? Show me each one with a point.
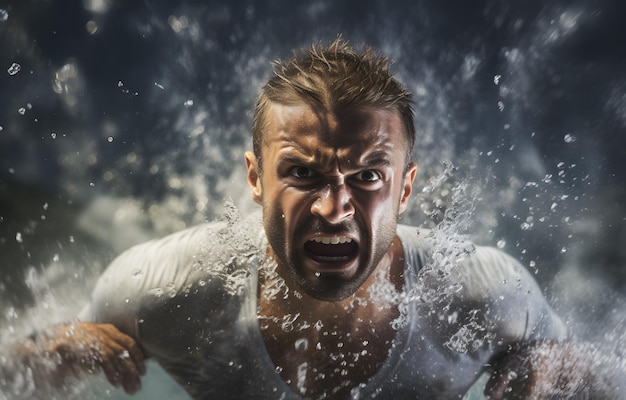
(332, 186)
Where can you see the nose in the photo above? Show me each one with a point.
(334, 203)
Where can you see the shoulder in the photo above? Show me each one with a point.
(146, 260)
(416, 245)
(481, 281)
(508, 295)
(156, 265)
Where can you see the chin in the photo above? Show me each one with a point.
(330, 288)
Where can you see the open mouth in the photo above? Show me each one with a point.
(331, 249)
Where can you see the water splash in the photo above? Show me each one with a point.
(228, 254)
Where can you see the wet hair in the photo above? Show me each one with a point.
(334, 77)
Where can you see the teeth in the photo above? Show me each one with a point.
(332, 239)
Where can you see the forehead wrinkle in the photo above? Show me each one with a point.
(305, 150)
(380, 153)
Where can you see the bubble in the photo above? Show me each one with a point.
(18, 237)
(14, 69)
(188, 103)
(4, 15)
(110, 139)
(53, 135)
(496, 79)
(501, 243)
(21, 110)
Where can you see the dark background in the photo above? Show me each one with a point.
(136, 115)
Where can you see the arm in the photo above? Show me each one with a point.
(69, 350)
(559, 370)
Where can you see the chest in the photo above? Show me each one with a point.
(328, 359)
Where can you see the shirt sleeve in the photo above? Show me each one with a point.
(141, 274)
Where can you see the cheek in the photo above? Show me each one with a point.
(283, 208)
(378, 204)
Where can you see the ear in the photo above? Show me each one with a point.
(407, 186)
(254, 179)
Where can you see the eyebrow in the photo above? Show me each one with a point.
(378, 158)
(296, 158)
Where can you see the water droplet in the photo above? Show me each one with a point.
(302, 370)
(21, 110)
(53, 135)
(568, 138)
(301, 344)
(18, 237)
(159, 85)
(14, 69)
(137, 273)
(496, 79)
(188, 103)
(4, 15)
(120, 83)
(501, 243)
(55, 258)
(72, 240)
(500, 106)
(92, 27)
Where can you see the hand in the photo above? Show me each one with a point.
(550, 370)
(86, 347)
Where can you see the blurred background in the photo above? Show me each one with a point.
(121, 121)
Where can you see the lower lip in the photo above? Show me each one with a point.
(332, 264)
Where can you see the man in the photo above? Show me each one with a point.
(327, 297)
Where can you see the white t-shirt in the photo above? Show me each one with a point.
(190, 299)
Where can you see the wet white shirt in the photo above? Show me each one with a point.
(190, 299)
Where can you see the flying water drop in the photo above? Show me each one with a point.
(14, 69)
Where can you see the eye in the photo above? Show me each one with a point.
(302, 172)
(368, 175)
